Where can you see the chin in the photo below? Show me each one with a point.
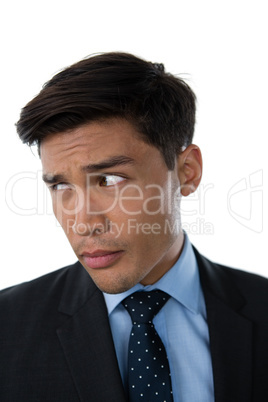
(114, 285)
(113, 289)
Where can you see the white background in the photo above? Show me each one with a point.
(220, 47)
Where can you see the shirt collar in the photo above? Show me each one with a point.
(181, 282)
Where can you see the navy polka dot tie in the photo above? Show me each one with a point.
(148, 368)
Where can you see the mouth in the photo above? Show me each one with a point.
(101, 258)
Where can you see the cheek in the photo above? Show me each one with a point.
(153, 215)
(130, 200)
(142, 201)
(65, 217)
(64, 204)
(159, 224)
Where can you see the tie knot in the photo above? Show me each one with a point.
(143, 306)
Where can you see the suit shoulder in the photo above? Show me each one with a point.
(37, 289)
(252, 287)
(248, 281)
(235, 287)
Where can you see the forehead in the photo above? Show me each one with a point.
(92, 143)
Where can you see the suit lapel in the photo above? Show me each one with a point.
(87, 341)
(230, 334)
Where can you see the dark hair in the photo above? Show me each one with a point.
(159, 105)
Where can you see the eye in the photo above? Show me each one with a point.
(59, 187)
(110, 180)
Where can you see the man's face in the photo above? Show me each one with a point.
(116, 201)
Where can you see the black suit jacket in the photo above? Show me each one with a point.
(56, 343)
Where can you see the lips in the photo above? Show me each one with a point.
(101, 258)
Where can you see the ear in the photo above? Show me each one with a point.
(190, 169)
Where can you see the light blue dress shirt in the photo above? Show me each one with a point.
(182, 326)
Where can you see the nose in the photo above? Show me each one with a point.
(90, 219)
(89, 229)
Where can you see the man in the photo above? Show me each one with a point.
(114, 134)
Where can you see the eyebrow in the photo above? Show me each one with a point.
(114, 161)
(49, 178)
(109, 163)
